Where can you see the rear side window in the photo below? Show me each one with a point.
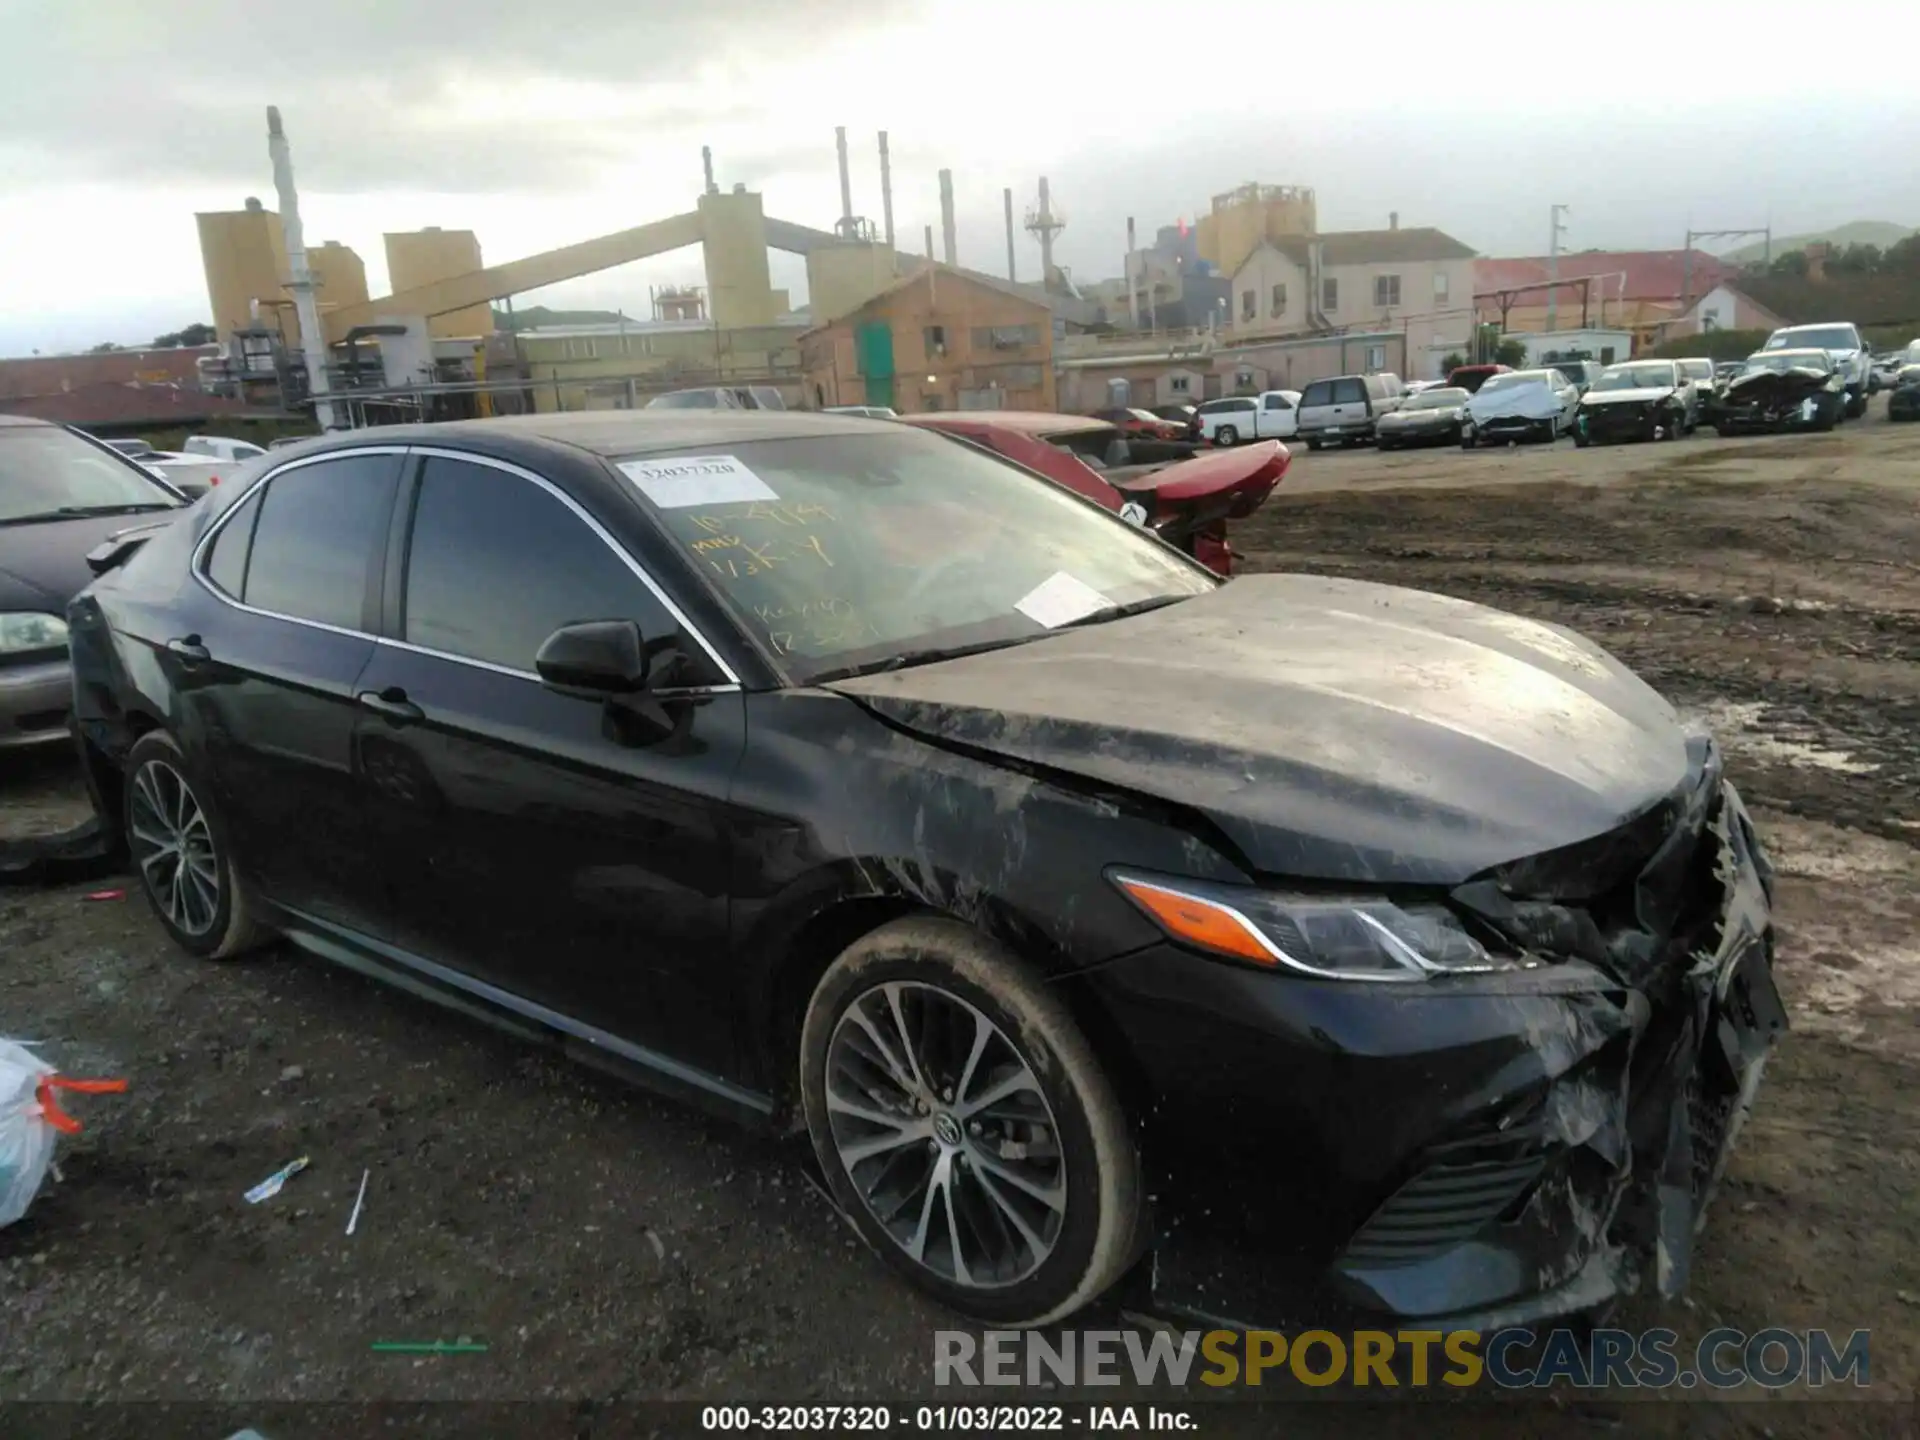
(496, 564)
(1349, 391)
(321, 533)
(227, 562)
(1320, 392)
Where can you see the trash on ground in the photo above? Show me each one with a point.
(358, 1201)
(270, 1187)
(30, 1121)
(107, 895)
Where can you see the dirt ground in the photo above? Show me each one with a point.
(608, 1246)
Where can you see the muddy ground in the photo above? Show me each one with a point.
(607, 1246)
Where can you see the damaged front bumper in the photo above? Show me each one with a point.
(1509, 1150)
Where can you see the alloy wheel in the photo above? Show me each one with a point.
(943, 1128)
(173, 845)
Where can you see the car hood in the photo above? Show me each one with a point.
(1329, 729)
(1773, 387)
(1642, 396)
(1445, 416)
(1530, 402)
(44, 565)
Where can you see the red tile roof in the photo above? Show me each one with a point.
(1629, 275)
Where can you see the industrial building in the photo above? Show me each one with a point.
(937, 340)
(429, 344)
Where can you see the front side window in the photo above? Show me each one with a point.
(320, 535)
(496, 564)
(1276, 401)
(47, 473)
(841, 550)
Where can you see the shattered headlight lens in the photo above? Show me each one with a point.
(22, 632)
(1332, 937)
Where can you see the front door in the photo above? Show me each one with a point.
(539, 842)
(268, 679)
(1277, 417)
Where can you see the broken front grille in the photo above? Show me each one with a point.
(1449, 1202)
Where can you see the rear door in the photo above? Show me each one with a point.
(269, 680)
(550, 846)
(1349, 413)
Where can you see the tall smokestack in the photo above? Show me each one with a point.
(929, 245)
(886, 190)
(1007, 195)
(706, 168)
(1133, 290)
(846, 179)
(313, 340)
(946, 217)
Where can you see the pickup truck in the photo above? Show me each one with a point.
(1235, 419)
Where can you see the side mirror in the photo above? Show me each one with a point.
(594, 659)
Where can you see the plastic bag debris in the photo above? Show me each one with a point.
(271, 1186)
(31, 1120)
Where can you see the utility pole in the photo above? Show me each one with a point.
(1557, 229)
(1686, 259)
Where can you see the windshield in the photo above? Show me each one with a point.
(1442, 399)
(846, 550)
(46, 472)
(1816, 337)
(687, 400)
(1512, 380)
(1651, 376)
(1784, 360)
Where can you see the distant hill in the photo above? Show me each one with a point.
(1858, 232)
(539, 316)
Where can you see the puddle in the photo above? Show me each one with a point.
(1742, 728)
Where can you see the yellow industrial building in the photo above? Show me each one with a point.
(1243, 219)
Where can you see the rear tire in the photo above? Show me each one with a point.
(903, 1028)
(1226, 435)
(183, 855)
(1313, 444)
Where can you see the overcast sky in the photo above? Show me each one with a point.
(537, 125)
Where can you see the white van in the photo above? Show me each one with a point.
(1271, 415)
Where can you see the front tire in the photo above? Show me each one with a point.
(966, 1126)
(183, 855)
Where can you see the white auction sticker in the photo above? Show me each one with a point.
(1060, 599)
(688, 480)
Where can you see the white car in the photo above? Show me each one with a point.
(221, 447)
(1841, 340)
(1271, 415)
(1520, 405)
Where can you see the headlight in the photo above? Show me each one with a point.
(1332, 937)
(23, 632)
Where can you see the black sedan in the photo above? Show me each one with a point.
(1904, 402)
(1427, 417)
(1640, 400)
(1332, 940)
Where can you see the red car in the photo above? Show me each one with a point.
(1188, 503)
(1142, 424)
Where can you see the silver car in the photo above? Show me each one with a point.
(61, 494)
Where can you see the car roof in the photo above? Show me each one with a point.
(22, 420)
(615, 432)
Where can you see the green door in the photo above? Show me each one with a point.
(873, 351)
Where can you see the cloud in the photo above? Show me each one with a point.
(447, 95)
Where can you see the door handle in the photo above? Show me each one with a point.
(391, 704)
(190, 650)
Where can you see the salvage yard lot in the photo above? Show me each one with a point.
(606, 1244)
